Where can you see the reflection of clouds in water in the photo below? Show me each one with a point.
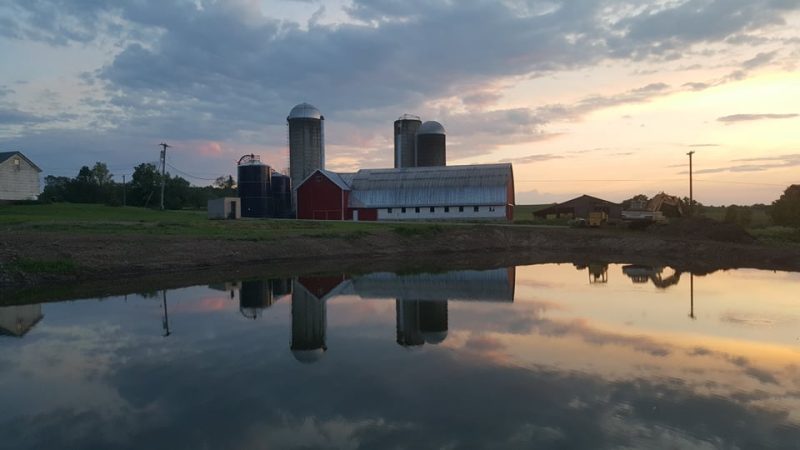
(63, 366)
(444, 398)
(757, 319)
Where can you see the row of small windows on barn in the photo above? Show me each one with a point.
(433, 209)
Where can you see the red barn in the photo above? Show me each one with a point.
(324, 195)
(474, 192)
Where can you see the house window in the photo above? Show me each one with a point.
(460, 209)
(403, 210)
(433, 209)
(446, 209)
(491, 209)
(389, 210)
(16, 163)
(476, 209)
(416, 210)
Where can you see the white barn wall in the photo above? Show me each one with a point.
(484, 212)
(18, 183)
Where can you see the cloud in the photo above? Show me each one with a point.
(750, 117)
(218, 71)
(533, 158)
(13, 116)
(766, 163)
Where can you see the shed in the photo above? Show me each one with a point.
(225, 208)
(19, 177)
(581, 207)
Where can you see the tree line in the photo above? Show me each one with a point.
(784, 211)
(97, 185)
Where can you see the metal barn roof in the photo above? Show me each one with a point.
(473, 185)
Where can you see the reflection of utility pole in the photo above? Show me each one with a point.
(165, 322)
(163, 170)
(691, 296)
(124, 186)
(691, 194)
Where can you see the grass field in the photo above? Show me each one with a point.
(90, 219)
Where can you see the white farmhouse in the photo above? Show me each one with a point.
(19, 177)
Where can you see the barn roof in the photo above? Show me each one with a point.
(337, 178)
(6, 155)
(582, 200)
(480, 184)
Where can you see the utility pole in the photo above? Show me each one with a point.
(691, 194)
(124, 188)
(164, 148)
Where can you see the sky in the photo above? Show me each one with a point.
(602, 97)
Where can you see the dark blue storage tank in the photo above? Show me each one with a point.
(255, 187)
(281, 195)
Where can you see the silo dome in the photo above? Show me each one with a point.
(304, 111)
(431, 127)
(308, 356)
(435, 337)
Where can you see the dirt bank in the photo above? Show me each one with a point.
(85, 264)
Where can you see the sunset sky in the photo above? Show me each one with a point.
(603, 97)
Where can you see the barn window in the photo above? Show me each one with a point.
(476, 209)
(16, 163)
(416, 210)
(403, 210)
(433, 209)
(491, 209)
(446, 209)
(389, 210)
(460, 209)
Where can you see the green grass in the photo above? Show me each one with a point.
(94, 219)
(777, 234)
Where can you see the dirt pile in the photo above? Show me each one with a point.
(704, 229)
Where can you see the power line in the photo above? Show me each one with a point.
(190, 175)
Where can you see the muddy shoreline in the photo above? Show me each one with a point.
(114, 265)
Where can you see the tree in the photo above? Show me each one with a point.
(786, 210)
(55, 189)
(145, 182)
(101, 175)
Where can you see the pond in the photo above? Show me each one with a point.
(541, 356)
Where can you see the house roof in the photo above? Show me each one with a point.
(480, 184)
(6, 155)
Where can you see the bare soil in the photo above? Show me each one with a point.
(110, 264)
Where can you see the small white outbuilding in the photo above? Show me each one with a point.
(19, 177)
(225, 208)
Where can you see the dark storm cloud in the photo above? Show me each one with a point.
(13, 116)
(751, 117)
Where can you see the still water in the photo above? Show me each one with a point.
(543, 356)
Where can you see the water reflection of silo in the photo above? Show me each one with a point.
(281, 286)
(308, 325)
(254, 297)
(408, 327)
(419, 322)
(433, 321)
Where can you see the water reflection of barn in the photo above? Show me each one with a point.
(16, 321)
(421, 302)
